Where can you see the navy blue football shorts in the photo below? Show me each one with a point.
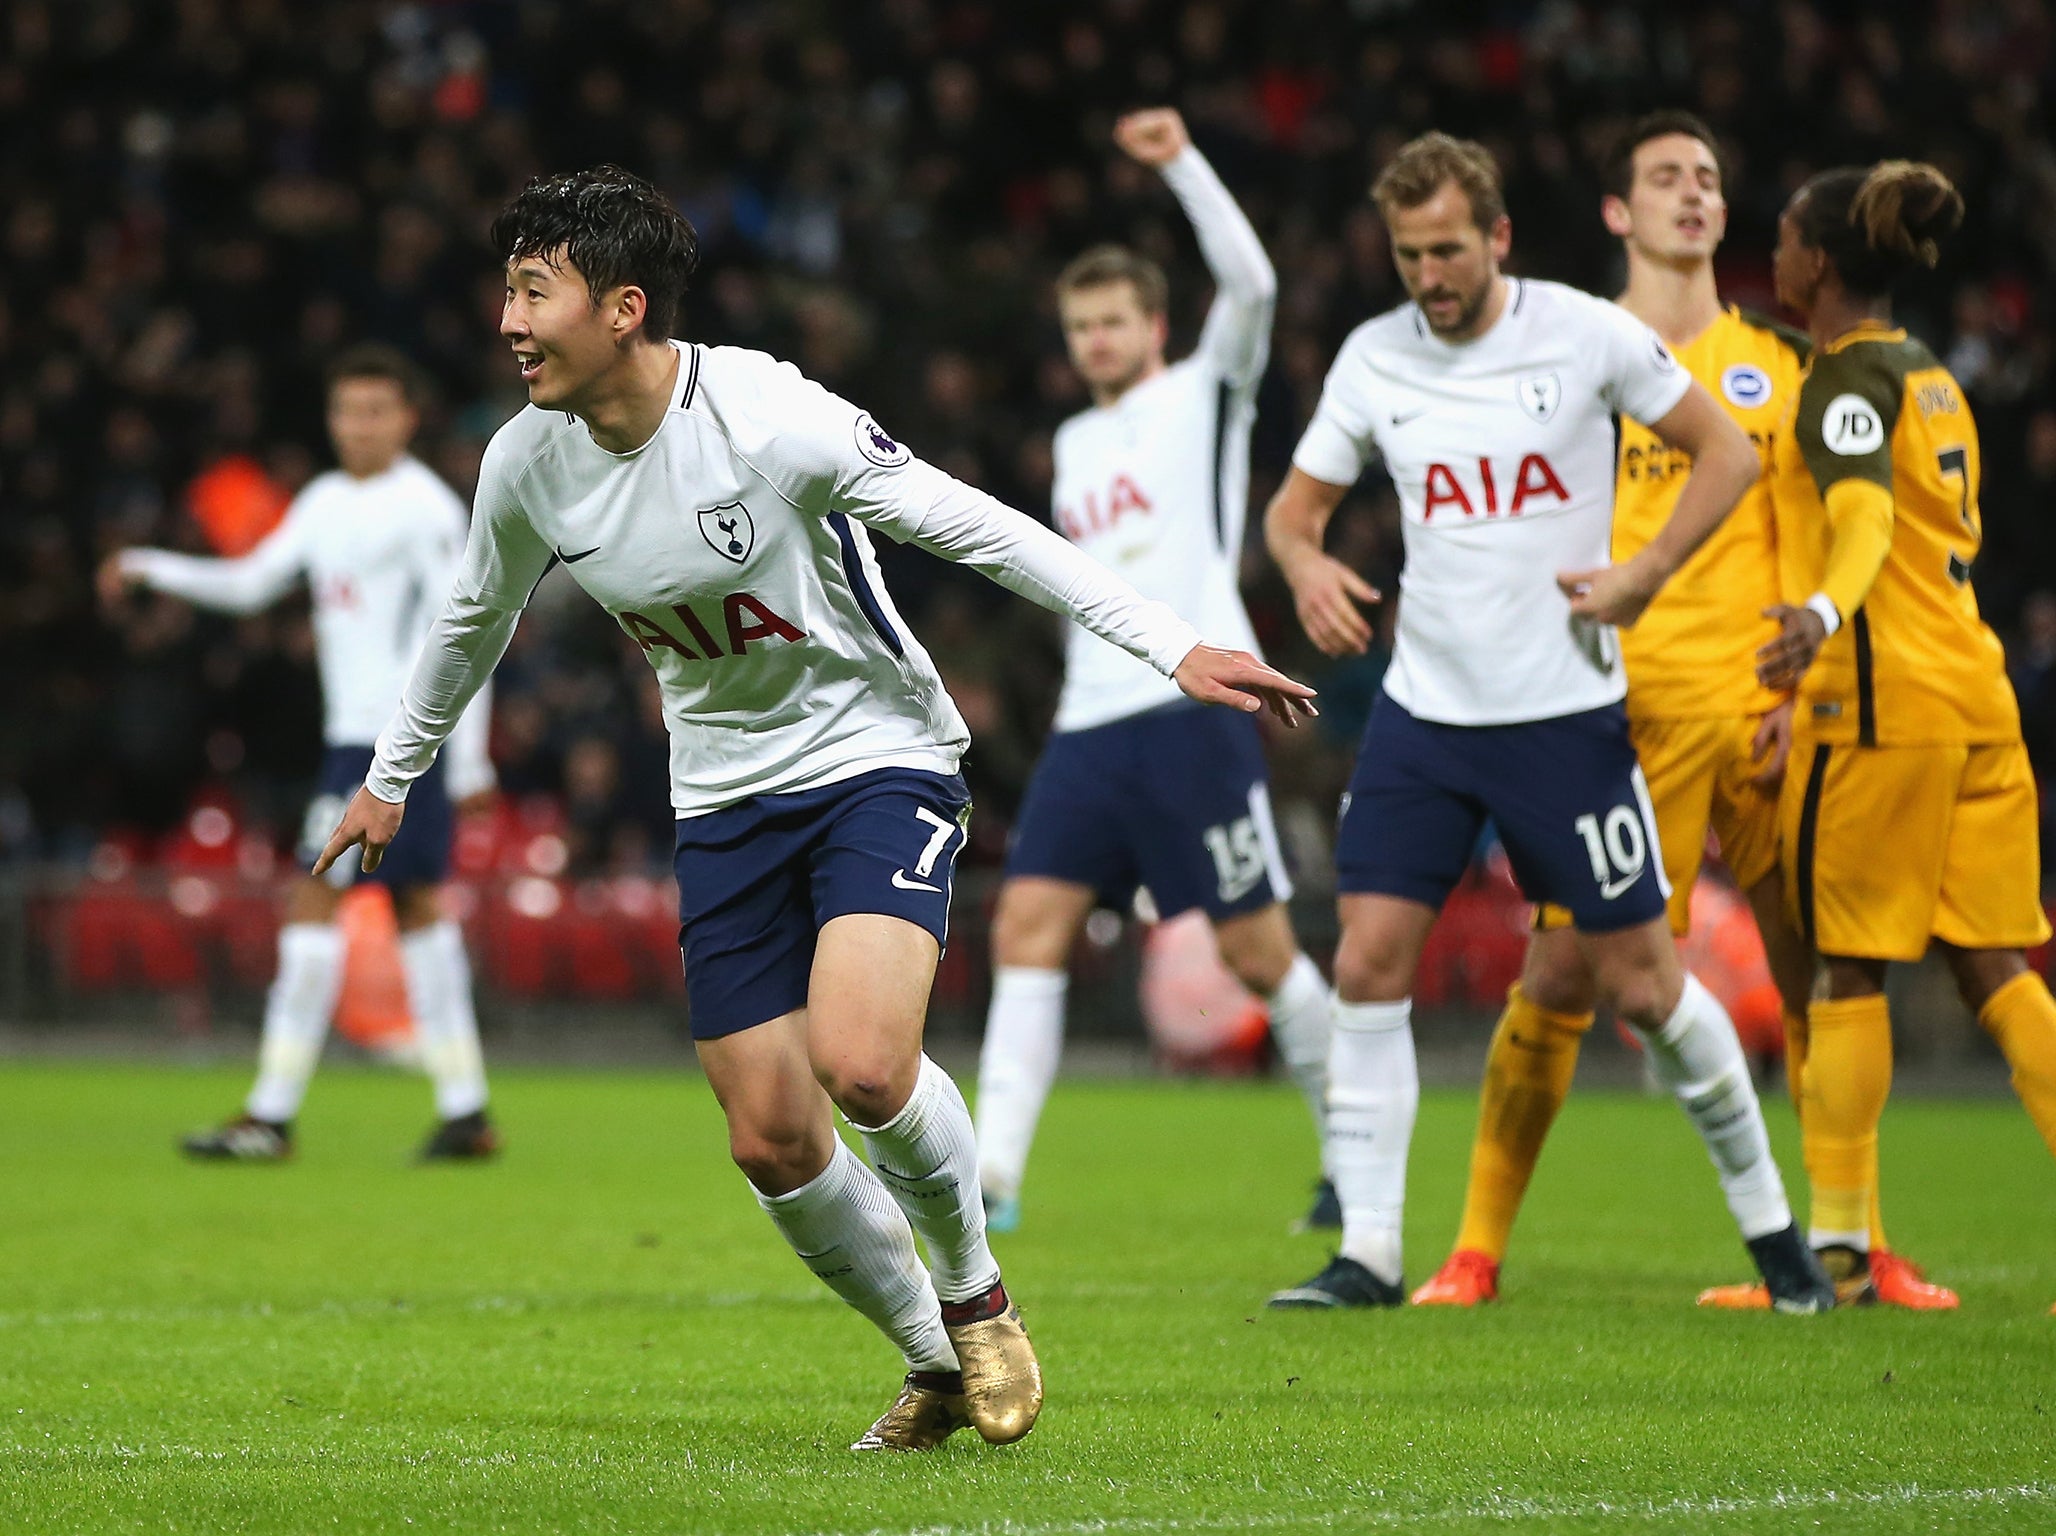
(758, 880)
(1566, 794)
(420, 851)
(1175, 799)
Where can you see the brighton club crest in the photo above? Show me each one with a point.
(728, 529)
(1539, 394)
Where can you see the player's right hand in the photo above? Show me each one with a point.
(1156, 135)
(1237, 679)
(368, 821)
(1326, 593)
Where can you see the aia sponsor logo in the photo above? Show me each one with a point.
(1487, 491)
(745, 619)
(1095, 514)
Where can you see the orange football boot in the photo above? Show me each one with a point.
(1467, 1278)
(1899, 1283)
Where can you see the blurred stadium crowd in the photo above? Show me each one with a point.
(202, 200)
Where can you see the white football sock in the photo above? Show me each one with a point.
(845, 1227)
(1698, 1058)
(1024, 1037)
(927, 1154)
(1374, 1092)
(296, 1015)
(1301, 1024)
(439, 995)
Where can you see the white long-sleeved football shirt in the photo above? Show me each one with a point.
(1156, 485)
(378, 555)
(733, 548)
(1502, 452)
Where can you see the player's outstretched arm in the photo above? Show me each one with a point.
(243, 585)
(916, 501)
(1724, 466)
(1324, 590)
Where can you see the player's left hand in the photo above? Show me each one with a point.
(1783, 661)
(1772, 745)
(1237, 679)
(1612, 594)
(1156, 135)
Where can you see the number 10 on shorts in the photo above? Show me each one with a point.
(1618, 845)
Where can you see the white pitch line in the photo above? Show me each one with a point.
(1906, 1496)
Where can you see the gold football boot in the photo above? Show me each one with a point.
(1002, 1378)
(929, 1409)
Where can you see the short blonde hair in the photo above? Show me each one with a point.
(1429, 163)
(1106, 264)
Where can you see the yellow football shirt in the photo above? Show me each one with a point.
(1915, 664)
(1693, 654)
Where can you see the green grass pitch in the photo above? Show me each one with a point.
(602, 1333)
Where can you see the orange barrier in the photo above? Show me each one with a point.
(371, 1010)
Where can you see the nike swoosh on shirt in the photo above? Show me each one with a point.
(1399, 420)
(574, 559)
(899, 878)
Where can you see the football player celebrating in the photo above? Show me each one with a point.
(1711, 739)
(1490, 399)
(377, 541)
(1138, 786)
(717, 504)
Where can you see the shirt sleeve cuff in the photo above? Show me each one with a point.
(383, 786)
(1824, 605)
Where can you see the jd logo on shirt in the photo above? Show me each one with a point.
(1850, 426)
(729, 531)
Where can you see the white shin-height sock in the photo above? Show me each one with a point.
(296, 1015)
(927, 1155)
(1697, 1056)
(845, 1227)
(1374, 1093)
(1024, 1037)
(439, 994)
(1301, 1026)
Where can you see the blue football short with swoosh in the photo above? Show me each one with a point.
(758, 880)
(1175, 799)
(1566, 795)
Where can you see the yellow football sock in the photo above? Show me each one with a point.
(1795, 1060)
(2021, 1016)
(1527, 1075)
(1848, 1078)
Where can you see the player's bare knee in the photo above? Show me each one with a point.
(1644, 995)
(1029, 931)
(1368, 974)
(1981, 972)
(776, 1158)
(1555, 977)
(1258, 948)
(868, 1088)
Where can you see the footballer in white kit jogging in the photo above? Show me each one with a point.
(1490, 400)
(377, 543)
(720, 507)
(1138, 786)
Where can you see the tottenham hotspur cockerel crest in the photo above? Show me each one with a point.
(729, 530)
